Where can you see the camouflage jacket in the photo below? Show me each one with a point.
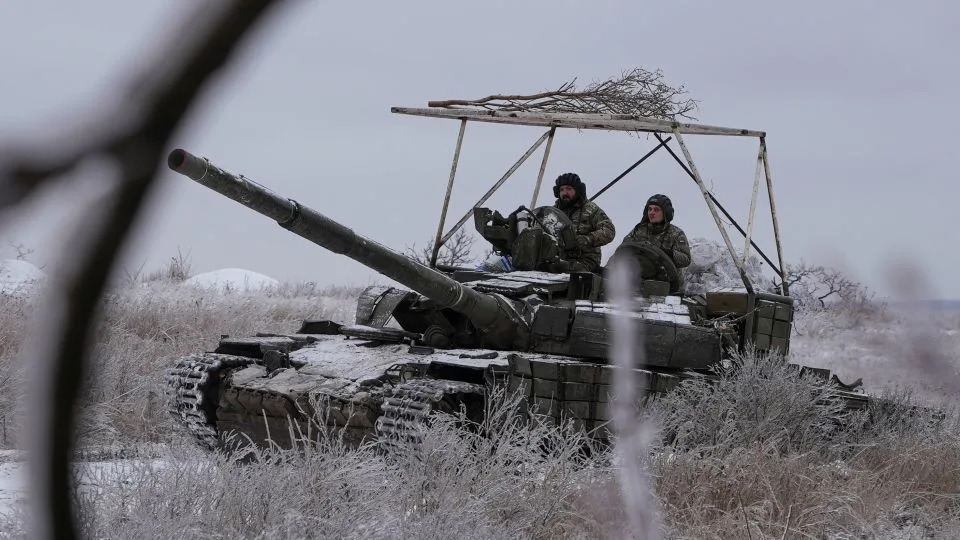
(593, 229)
(670, 239)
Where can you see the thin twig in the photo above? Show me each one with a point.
(787, 526)
(746, 520)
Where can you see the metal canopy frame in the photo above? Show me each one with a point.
(617, 122)
(609, 122)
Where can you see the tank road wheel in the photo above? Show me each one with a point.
(193, 392)
(407, 411)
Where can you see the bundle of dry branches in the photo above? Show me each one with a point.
(636, 92)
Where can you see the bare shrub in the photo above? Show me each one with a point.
(178, 268)
(814, 288)
(757, 401)
(820, 288)
(23, 251)
(457, 251)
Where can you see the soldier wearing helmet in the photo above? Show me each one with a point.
(656, 228)
(592, 227)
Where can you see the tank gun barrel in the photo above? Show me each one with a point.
(485, 311)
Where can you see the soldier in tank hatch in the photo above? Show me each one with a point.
(655, 227)
(592, 227)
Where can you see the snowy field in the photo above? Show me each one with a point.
(19, 279)
(13, 486)
(778, 478)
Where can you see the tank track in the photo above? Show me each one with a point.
(189, 383)
(406, 410)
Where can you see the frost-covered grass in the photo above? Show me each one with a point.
(767, 451)
(456, 485)
(508, 479)
(759, 455)
(144, 329)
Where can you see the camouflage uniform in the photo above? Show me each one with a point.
(665, 235)
(591, 224)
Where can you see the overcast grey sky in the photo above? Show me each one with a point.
(857, 98)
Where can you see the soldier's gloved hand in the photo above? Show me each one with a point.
(583, 241)
(559, 266)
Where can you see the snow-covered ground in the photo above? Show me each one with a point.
(232, 279)
(13, 486)
(19, 278)
(90, 474)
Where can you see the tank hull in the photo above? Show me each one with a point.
(374, 388)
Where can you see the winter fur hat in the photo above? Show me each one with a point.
(572, 180)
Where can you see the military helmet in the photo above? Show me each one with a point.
(572, 180)
(663, 202)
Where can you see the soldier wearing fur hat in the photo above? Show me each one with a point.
(592, 226)
(656, 228)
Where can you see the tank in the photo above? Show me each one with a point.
(447, 337)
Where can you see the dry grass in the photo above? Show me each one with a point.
(766, 453)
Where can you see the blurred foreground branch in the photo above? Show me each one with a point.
(132, 140)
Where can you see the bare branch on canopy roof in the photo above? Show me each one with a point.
(635, 92)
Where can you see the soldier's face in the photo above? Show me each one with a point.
(654, 214)
(567, 193)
